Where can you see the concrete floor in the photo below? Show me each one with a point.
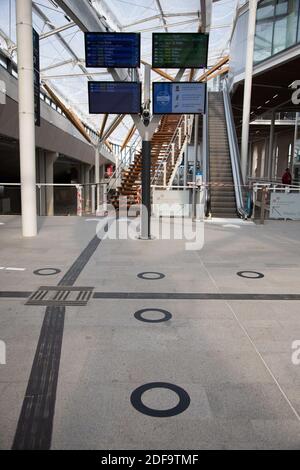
(232, 357)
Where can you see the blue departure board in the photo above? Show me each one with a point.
(179, 98)
(113, 50)
(114, 97)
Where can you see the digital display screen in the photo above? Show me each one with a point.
(179, 50)
(114, 97)
(179, 98)
(36, 74)
(112, 50)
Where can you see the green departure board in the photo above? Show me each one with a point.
(179, 50)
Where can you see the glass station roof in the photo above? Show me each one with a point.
(62, 54)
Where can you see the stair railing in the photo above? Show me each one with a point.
(188, 127)
(124, 162)
(234, 154)
(206, 156)
(159, 172)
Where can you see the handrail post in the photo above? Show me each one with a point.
(179, 137)
(263, 205)
(104, 200)
(79, 200)
(165, 174)
(93, 199)
(173, 153)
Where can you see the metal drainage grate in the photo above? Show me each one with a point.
(60, 296)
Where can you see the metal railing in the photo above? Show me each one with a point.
(262, 197)
(182, 134)
(52, 199)
(124, 162)
(234, 154)
(206, 167)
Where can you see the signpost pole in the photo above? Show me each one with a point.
(146, 190)
(146, 165)
(196, 137)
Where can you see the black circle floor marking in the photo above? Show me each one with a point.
(41, 272)
(257, 274)
(136, 400)
(146, 275)
(139, 315)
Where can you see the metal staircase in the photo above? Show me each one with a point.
(166, 153)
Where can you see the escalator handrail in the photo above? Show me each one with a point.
(234, 154)
(206, 172)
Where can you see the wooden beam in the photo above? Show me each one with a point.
(109, 145)
(164, 74)
(191, 75)
(128, 136)
(209, 72)
(160, 72)
(116, 122)
(219, 72)
(69, 113)
(103, 124)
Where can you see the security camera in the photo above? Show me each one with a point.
(146, 117)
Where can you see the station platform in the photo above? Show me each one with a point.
(198, 355)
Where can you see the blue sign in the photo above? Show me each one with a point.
(114, 97)
(109, 50)
(179, 98)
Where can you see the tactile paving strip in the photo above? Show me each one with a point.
(62, 296)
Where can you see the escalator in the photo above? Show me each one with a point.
(222, 197)
(222, 173)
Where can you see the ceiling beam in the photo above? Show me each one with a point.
(162, 16)
(213, 69)
(169, 25)
(219, 72)
(44, 17)
(103, 124)
(159, 72)
(88, 20)
(116, 122)
(69, 113)
(155, 17)
(58, 30)
(128, 136)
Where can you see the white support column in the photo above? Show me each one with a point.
(97, 176)
(26, 117)
(51, 157)
(248, 86)
(271, 147)
(294, 152)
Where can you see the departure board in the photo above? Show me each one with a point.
(179, 98)
(114, 97)
(109, 50)
(36, 75)
(179, 50)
